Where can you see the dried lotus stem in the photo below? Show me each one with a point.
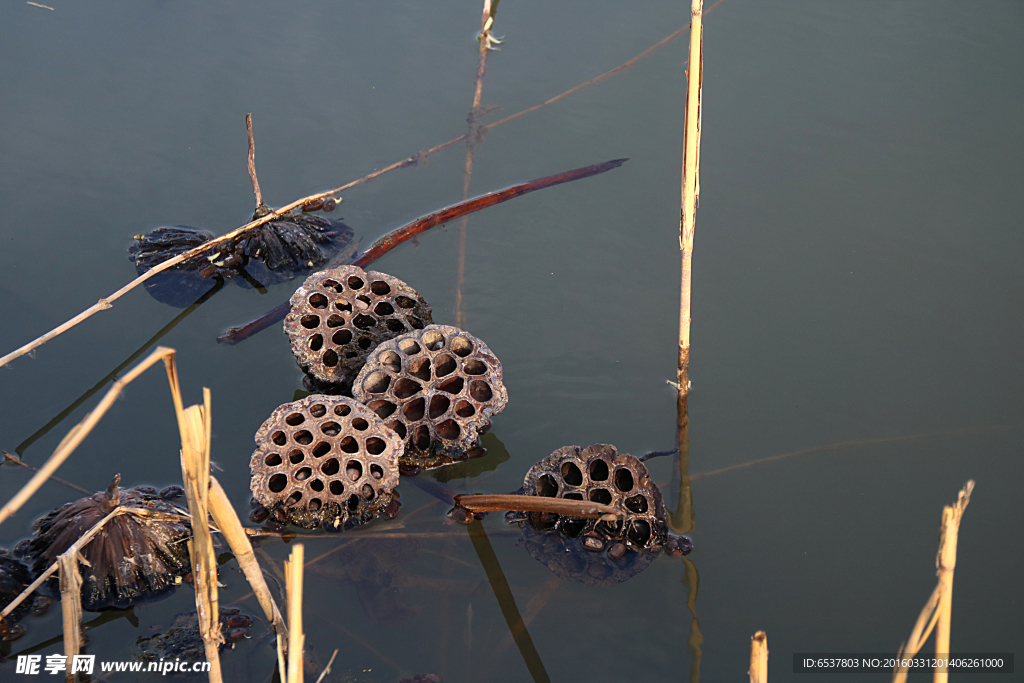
(759, 658)
(296, 639)
(557, 506)
(71, 607)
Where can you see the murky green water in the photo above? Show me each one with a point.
(856, 288)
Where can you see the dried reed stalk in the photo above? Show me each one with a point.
(78, 433)
(558, 506)
(938, 610)
(691, 189)
(327, 669)
(759, 658)
(233, 532)
(194, 426)
(296, 639)
(71, 608)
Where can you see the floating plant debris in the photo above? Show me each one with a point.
(437, 388)
(325, 461)
(292, 243)
(179, 286)
(182, 640)
(339, 315)
(14, 578)
(133, 557)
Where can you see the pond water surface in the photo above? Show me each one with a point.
(857, 298)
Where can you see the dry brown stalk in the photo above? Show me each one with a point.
(296, 639)
(70, 608)
(938, 610)
(194, 426)
(18, 461)
(261, 208)
(759, 658)
(78, 433)
(558, 506)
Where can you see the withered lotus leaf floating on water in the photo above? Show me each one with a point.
(594, 551)
(133, 557)
(325, 461)
(437, 388)
(14, 578)
(339, 315)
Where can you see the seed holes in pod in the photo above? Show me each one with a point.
(420, 368)
(367, 492)
(381, 407)
(404, 302)
(331, 284)
(449, 429)
(310, 322)
(343, 306)
(547, 486)
(349, 445)
(416, 323)
(295, 419)
(316, 342)
(355, 282)
(330, 468)
(336, 488)
(360, 424)
(398, 428)
(480, 390)
(321, 449)
(602, 496)
(303, 474)
(623, 480)
(316, 485)
(335, 321)
(317, 410)
(375, 446)
(462, 347)
(610, 529)
(364, 343)
(364, 322)
(414, 410)
(272, 459)
(474, 367)
(573, 495)
(342, 337)
(313, 505)
(318, 300)
(277, 483)
(409, 347)
(452, 386)
(353, 503)
(433, 340)
(391, 361)
(571, 474)
(421, 438)
(303, 437)
(330, 358)
(444, 365)
(639, 532)
(330, 428)
(377, 383)
(342, 410)
(376, 471)
(598, 470)
(383, 308)
(438, 406)
(296, 456)
(279, 438)
(293, 499)
(464, 409)
(394, 326)
(637, 504)
(573, 527)
(405, 387)
(380, 288)
(353, 470)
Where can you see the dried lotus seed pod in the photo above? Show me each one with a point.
(600, 474)
(325, 461)
(437, 388)
(340, 314)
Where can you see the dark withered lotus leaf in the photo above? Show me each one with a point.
(292, 242)
(130, 559)
(14, 578)
(181, 285)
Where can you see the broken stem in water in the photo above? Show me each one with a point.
(261, 208)
(70, 608)
(759, 658)
(559, 506)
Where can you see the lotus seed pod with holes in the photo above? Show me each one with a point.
(325, 461)
(339, 315)
(437, 388)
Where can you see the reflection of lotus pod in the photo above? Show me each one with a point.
(325, 461)
(131, 558)
(339, 315)
(599, 474)
(182, 640)
(437, 388)
(582, 559)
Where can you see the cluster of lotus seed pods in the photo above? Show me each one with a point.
(325, 461)
(437, 388)
(339, 315)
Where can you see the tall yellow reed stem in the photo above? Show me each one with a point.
(759, 658)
